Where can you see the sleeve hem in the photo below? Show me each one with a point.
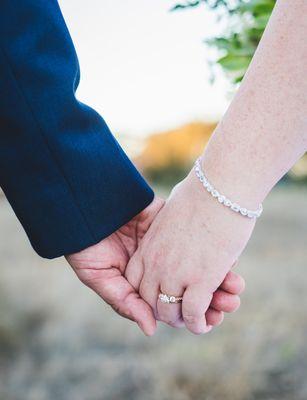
(106, 231)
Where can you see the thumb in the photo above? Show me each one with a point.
(195, 303)
(123, 298)
(141, 313)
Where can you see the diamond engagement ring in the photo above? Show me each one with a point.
(165, 298)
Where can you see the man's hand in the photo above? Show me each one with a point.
(102, 266)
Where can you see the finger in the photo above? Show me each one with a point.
(214, 317)
(196, 301)
(149, 291)
(224, 301)
(233, 283)
(141, 313)
(134, 271)
(170, 313)
(181, 324)
(123, 298)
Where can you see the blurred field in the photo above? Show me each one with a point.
(59, 341)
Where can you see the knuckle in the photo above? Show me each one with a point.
(178, 324)
(153, 258)
(167, 319)
(190, 319)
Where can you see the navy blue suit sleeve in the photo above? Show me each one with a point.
(67, 179)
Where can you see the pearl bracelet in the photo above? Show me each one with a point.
(223, 199)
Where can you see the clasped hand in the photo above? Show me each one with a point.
(184, 247)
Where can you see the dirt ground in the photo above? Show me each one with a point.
(59, 341)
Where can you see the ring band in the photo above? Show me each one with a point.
(167, 299)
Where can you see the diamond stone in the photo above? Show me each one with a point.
(227, 203)
(164, 298)
(172, 299)
(215, 193)
(221, 199)
(205, 184)
(235, 207)
(243, 211)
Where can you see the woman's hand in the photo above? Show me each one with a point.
(188, 251)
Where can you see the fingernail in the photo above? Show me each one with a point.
(209, 328)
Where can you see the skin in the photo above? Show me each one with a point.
(194, 241)
(102, 268)
(187, 250)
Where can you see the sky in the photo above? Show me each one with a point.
(144, 68)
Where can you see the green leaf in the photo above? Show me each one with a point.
(257, 7)
(262, 20)
(245, 24)
(238, 79)
(234, 45)
(189, 4)
(232, 62)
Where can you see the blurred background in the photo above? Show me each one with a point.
(162, 74)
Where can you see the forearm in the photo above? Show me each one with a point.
(264, 131)
(67, 179)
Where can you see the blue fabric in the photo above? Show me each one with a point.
(67, 179)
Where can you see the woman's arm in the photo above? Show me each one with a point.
(194, 240)
(264, 131)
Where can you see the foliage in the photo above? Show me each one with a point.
(246, 21)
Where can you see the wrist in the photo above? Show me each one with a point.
(240, 179)
(225, 229)
(222, 198)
